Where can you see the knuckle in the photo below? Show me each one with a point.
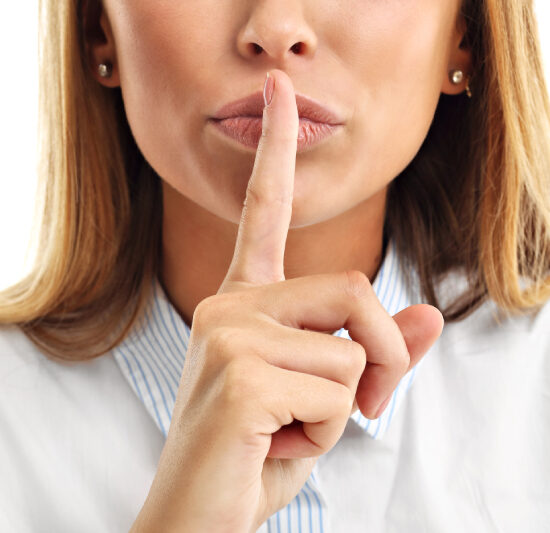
(398, 361)
(221, 342)
(264, 199)
(355, 359)
(204, 311)
(253, 197)
(343, 399)
(210, 312)
(357, 284)
(403, 361)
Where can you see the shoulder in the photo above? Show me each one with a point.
(17, 353)
(28, 378)
(28, 375)
(12, 339)
(67, 426)
(490, 329)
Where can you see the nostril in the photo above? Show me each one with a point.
(295, 48)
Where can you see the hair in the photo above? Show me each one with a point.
(476, 197)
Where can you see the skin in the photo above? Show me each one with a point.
(380, 65)
(264, 391)
(257, 279)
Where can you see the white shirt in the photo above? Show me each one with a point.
(465, 448)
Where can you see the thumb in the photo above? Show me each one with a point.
(421, 325)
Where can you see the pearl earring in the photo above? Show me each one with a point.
(105, 70)
(457, 77)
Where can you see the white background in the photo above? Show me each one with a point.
(18, 115)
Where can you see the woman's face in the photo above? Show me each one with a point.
(380, 64)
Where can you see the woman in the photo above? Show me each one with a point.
(393, 165)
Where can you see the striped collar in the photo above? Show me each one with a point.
(152, 356)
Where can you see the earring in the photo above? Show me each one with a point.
(468, 90)
(456, 76)
(105, 70)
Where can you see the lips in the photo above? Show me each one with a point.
(253, 106)
(242, 121)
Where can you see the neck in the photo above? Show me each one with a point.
(197, 247)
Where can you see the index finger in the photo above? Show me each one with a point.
(259, 250)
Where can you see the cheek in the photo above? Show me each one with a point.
(399, 63)
(384, 65)
(164, 78)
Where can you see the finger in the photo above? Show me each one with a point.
(422, 325)
(310, 352)
(331, 301)
(263, 229)
(325, 302)
(419, 333)
(322, 406)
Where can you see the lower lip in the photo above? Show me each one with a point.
(248, 130)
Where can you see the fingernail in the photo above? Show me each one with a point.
(269, 85)
(383, 406)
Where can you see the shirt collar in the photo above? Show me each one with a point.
(152, 356)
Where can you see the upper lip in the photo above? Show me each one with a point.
(253, 106)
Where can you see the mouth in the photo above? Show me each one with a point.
(242, 121)
(248, 130)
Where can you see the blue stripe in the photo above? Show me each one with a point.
(367, 423)
(393, 402)
(413, 372)
(314, 492)
(309, 511)
(389, 307)
(156, 345)
(378, 424)
(392, 309)
(154, 352)
(391, 277)
(175, 362)
(162, 347)
(157, 350)
(172, 313)
(380, 276)
(131, 373)
(299, 513)
(152, 373)
(179, 358)
(162, 298)
(288, 521)
(161, 425)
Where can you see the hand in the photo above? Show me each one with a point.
(261, 397)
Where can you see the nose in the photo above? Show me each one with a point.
(277, 29)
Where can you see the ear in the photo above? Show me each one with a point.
(99, 42)
(460, 58)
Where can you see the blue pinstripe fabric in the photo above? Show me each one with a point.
(152, 358)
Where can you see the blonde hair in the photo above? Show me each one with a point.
(475, 197)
